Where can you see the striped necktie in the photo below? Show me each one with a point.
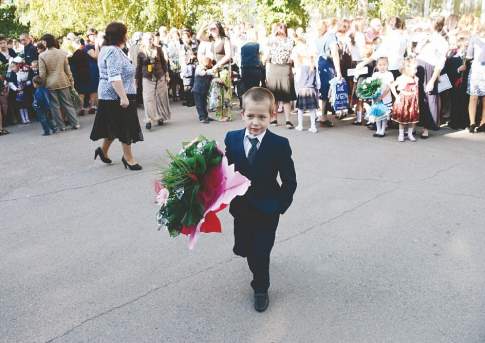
(253, 150)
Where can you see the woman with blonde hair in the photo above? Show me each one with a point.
(175, 50)
(152, 69)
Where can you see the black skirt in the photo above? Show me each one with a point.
(115, 122)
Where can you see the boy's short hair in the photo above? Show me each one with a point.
(259, 94)
(3, 38)
(38, 81)
(206, 62)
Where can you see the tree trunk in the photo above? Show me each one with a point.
(426, 8)
(456, 6)
(362, 6)
(482, 17)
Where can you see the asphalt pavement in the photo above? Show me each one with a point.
(384, 243)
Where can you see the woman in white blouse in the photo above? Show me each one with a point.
(393, 46)
(431, 58)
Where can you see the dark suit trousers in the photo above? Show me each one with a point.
(254, 236)
(200, 100)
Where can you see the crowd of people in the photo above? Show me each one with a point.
(432, 73)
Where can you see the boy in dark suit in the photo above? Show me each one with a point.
(260, 155)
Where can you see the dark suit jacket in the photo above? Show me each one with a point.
(11, 52)
(265, 195)
(30, 53)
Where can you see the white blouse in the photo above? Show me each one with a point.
(476, 50)
(394, 45)
(433, 50)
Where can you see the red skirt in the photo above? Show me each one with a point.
(406, 111)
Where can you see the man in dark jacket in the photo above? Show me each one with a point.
(30, 51)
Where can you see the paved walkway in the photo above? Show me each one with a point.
(384, 243)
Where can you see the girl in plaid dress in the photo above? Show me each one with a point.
(306, 88)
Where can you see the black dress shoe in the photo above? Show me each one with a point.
(239, 252)
(148, 126)
(261, 301)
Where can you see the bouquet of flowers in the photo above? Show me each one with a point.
(369, 89)
(196, 185)
(377, 112)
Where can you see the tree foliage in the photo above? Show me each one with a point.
(290, 12)
(10, 27)
(61, 16)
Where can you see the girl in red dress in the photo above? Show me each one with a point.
(406, 107)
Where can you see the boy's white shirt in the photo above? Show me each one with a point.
(247, 143)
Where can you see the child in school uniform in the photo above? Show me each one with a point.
(202, 81)
(18, 81)
(260, 155)
(188, 74)
(306, 87)
(41, 106)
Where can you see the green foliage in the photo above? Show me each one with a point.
(390, 8)
(62, 16)
(331, 8)
(290, 12)
(10, 27)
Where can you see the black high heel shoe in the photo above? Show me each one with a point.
(130, 166)
(99, 152)
(481, 128)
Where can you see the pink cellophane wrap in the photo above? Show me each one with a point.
(219, 186)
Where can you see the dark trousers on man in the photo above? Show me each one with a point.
(254, 236)
(200, 100)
